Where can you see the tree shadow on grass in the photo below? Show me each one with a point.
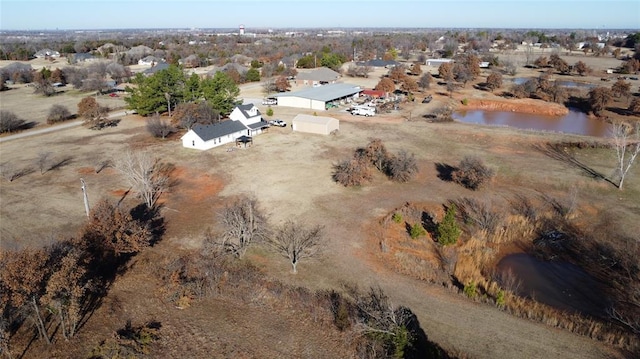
(445, 171)
(421, 346)
(557, 152)
(61, 163)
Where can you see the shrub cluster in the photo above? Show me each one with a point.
(472, 173)
(356, 170)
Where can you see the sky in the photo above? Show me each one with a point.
(132, 14)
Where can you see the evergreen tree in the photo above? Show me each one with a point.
(220, 92)
(157, 93)
(448, 230)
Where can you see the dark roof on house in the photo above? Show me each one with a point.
(378, 63)
(159, 67)
(245, 110)
(260, 124)
(209, 132)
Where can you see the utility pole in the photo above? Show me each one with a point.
(84, 195)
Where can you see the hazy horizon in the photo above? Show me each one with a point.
(30, 15)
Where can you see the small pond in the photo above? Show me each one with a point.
(565, 83)
(574, 122)
(559, 284)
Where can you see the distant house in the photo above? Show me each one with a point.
(319, 76)
(46, 53)
(139, 50)
(379, 63)
(149, 61)
(229, 66)
(289, 61)
(437, 62)
(159, 67)
(244, 121)
(190, 61)
(484, 64)
(83, 57)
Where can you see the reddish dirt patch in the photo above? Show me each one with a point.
(522, 106)
(192, 202)
(86, 170)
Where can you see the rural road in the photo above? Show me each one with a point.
(63, 126)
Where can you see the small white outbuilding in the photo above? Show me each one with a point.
(315, 124)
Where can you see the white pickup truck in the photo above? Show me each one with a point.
(278, 123)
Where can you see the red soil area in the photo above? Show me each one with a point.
(522, 105)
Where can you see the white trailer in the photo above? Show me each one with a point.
(363, 111)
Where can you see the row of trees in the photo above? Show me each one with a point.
(56, 288)
(167, 88)
(92, 77)
(244, 224)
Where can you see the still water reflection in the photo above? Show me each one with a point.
(559, 284)
(574, 122)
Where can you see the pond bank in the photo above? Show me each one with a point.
(529, 106)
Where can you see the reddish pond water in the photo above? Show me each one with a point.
(559, 284)
(574, 122)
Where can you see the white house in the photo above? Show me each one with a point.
(46, 53)
(437, 62)
(245, 120)
(149, 61)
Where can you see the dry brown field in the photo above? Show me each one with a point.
(290, 175)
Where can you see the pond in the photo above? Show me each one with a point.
(559, 284)
(564, 83)
(574, 122)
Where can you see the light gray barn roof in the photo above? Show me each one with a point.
(324, 93)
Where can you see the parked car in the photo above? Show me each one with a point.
(633, 78)
(270, 101)
(278, 123)
(427, 99)
(113, 94)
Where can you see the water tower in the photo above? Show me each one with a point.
(241, 29)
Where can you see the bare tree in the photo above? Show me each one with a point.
(401, 167)
(158, 127)
(626, 141)
(425, 81)
(494, 81)
(599, 97)
(377, 317)
(10, 172)
(472, 173)
(269, 86)
(43, 161)
(66, 288)
(58, 113)
(352, 171)
(10, 122)
(376, 152)
(243, 224)
(295, 242)
(147, 176)
(90, 110)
